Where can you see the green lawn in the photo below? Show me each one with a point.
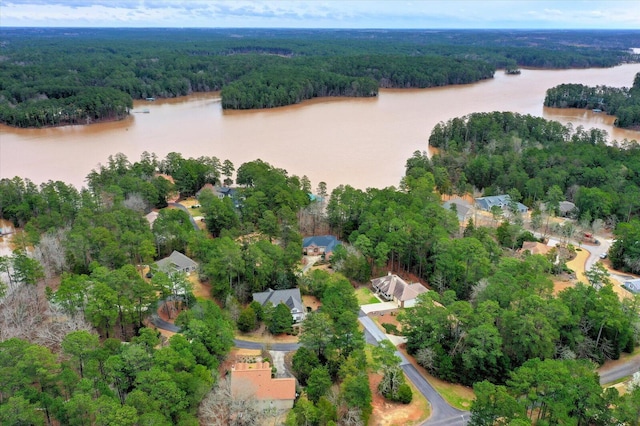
(365, 296)
(457, 396)
(195, 212)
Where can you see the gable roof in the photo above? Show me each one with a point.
(462, 207)
(394, 285)
(256, 378)
(633, 285)
(502, 201)
(225, 191)
(566, 207)
(176, 260)
(535, 247)
(290, 297)
(328, 241)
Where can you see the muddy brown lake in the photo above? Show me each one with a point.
(363, 142)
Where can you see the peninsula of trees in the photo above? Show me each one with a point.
(624, 102)
(502, 151)
(53, 77)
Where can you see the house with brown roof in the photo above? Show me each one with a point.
(255, 379)
(534, 247)
(392, 287)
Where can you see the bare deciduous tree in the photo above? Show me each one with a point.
(477, 289)
(50, 253)
(352, 417)
(135, 201)
(222, 407)
(426, 358)
(25, 313)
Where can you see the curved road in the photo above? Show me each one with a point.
(441, 412)
(243, 344)
(186, 210)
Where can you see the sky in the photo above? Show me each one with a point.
(562, 14)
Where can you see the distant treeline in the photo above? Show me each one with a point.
(52, 77)
(357, 76)
(624, 103)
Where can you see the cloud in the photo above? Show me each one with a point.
(322, 13)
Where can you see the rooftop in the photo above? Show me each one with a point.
(256, 378)
(290, 297)
(176, 260)
(328, 241)
(392, 284)
(633, 285)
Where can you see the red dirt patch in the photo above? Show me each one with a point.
(387, 413)
(389, 317)
(312, 302)
(200, 289)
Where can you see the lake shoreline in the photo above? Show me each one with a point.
(362, 142)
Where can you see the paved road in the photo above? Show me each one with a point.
(164, 325)
(280, 347)
(311, 260)
(243, 344)
(612, 374)
(441, 412)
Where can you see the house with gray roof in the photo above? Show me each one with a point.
(462, 208)
(177, 262)
(566, 208)
(393, 288)
(502, 201)
(320, 244)
(221, 192)
(290, 297)
(632, 285)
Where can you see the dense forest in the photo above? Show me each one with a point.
(52, 77)
(624, 103)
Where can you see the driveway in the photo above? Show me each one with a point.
(379, 307)
(311, 260)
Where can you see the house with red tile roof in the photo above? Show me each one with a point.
(255, 379)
